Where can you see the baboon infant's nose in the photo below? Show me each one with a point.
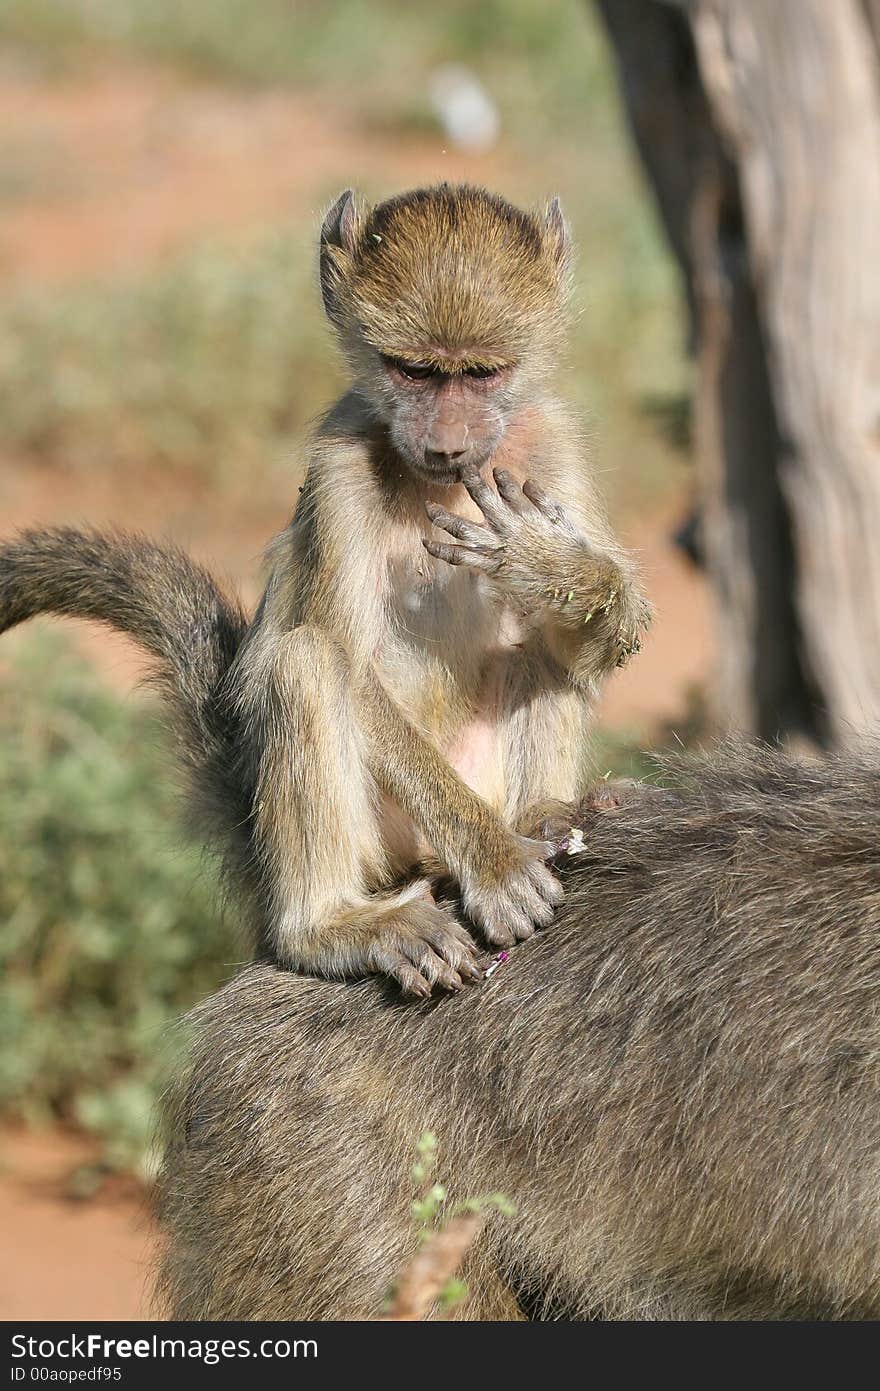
(445, 457)
(447, 443)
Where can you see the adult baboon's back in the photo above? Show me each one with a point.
(678, 1084)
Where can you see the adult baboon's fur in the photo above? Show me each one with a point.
(678, 1084)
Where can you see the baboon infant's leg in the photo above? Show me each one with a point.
(318, 833)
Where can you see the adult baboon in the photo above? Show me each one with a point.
(678, 1085)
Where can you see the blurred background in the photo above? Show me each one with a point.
(163, 170)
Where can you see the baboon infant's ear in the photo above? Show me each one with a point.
(339, 227)
(338, 249)
(556, 228)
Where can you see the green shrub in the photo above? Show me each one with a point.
(273, 42)
(195, 367)
(108, 928)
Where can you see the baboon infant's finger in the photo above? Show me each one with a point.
(422, 946)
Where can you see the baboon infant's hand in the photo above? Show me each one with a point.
(526, 539)
(531, 549)
(420, 945)
(509, 902)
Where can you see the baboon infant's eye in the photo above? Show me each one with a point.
(416, 371)
(481, 373)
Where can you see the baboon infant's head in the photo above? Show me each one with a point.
(449, 303)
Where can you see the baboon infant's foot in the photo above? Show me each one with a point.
(421, 944)
(549, 820)
(555, 821)
(404, 934)
(507, 904)
(611, 795)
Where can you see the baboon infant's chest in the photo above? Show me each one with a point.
(451, 643)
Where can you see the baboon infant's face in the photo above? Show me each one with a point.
(445, 420)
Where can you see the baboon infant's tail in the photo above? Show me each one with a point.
(157, 595)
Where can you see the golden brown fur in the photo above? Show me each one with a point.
(454, 268)
(446, 687)
(402, 698)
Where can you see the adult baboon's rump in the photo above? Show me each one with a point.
(678, 1085)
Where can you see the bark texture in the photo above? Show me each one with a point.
(759, 127)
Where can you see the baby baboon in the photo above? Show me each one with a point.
(678, 1087)
(400, 697)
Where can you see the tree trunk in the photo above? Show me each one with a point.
(783, 258)
(668, 115)
(796, 89)
(761, 684)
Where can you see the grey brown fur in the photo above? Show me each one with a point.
(678, 1085)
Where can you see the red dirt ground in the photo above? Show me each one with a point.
(65, 1258)
(149, 164)
(152, 163)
